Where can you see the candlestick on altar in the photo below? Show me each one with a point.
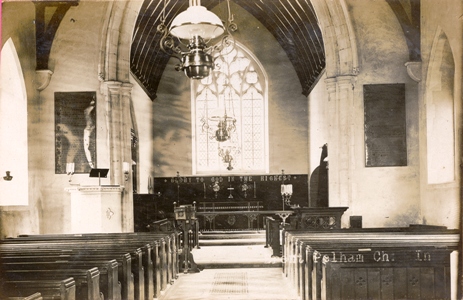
(230, 189)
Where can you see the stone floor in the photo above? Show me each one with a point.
(229, 274)
(252, 256)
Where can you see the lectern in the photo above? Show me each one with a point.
(99, 173)
(185, 216)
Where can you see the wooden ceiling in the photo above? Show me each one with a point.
(292, 22)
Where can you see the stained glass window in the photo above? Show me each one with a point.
(230, 116)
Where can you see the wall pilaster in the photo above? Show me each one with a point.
(340, 139)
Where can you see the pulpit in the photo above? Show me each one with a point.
(96, 209)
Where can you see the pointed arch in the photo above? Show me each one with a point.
(342, 68)
(338, 38)
(114, 75)
(239, 86)
(440, 111)
(13, 128)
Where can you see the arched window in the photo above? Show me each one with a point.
(13, 129)
(440, 109)
(230, 116)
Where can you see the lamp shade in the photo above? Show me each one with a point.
(196, 21)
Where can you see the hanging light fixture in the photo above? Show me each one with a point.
(226, 126)
(226, 153)
(222, 124)
(196, 26)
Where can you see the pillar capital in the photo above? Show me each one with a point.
(414, 70)
(110, 87)
(42, 79)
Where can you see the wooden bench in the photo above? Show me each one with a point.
(34, 296)
(319, 264)
(158, 247)
(162, 255)
(64, 289)
(87, 281)
(108, 273)
(84, 254)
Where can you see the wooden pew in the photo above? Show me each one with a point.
(296, 235)
(163, 253)
(89, 253)
(87, 281)
(311, 262)
(108, 273)
(164, 225)
(392, 274)
(34, 296)
(64, 289)
(171, 239)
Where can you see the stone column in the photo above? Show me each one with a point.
(340, 139)
(118, 123)
(126, 154)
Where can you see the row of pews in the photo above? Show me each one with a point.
(116, 266)
(369, 263)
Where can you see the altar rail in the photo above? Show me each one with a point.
(230, 205)
(237, 220)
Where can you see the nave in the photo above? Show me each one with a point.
(416, 262)
(233, 272)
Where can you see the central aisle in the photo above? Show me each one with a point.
(233, 272)
(231, 284)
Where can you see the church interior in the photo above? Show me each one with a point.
(231, 149)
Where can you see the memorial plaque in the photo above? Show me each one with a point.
(385, 125)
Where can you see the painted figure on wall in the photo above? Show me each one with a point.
(75, 134)
(88, 131)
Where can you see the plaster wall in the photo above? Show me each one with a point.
(383, 196)
(317, 133)
(288, 117)
(74, 61)
(17, 20)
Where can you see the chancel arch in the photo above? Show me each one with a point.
(115, 86)
(340, 71)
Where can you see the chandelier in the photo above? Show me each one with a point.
(225, 125)
(226, 153)
(222, 123)
(188, 36)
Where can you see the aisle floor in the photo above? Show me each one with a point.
(231, 284)
(227, 275)
(234, 256)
